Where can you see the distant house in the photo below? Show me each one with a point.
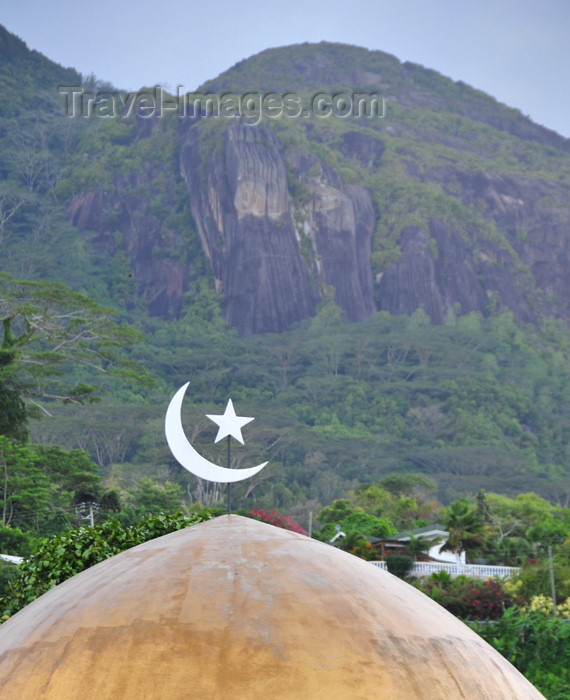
(11, 558)
(396, 544)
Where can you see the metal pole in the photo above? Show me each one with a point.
(229, 485)
(552, 589)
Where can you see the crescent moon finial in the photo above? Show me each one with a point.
(186, 455)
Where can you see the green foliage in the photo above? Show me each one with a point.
(8, 575)
(65, 555)
(15, 541)
(464, 524)
(534, 578)
(365, 524)
(356, 544)
(399, 565)
(13, 416)
(49, 330)
(357, 522)
(42, 484)
(518, 529)
(148, 496)
(338, 510)
(375, 511)
(25, 488)
(537, 645)
(468, 598)
(381, 397)
(417, 546)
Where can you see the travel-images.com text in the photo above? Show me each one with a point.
(252, 107)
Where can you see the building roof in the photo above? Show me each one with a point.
(435, 529)
(235, 608)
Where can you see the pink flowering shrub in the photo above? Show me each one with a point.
(275, 518)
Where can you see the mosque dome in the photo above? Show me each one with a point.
(235, 608)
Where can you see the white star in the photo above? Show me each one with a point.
(229, 423)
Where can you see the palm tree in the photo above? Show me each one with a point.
(355, 543)
(465, 526)
(419, 545)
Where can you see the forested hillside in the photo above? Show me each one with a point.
(426, 329)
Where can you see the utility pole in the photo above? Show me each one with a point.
(552, 588)
(229, 485)
(90, 515)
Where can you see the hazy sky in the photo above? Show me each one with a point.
(516, 50)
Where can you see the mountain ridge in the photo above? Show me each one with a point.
(490, 205)
(402, 74)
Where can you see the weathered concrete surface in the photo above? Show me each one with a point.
(234, 608)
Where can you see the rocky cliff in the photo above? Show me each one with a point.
(244, 215)
(121, 222)
(270, 257)
(450, 202)
(525, 270)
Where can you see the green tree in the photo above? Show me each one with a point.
(419, 545)
(49, 332)
(399, 564)
(337, 511)
(534, 579)
(15, 541)
(13, 414)
(464, 524)
(42, 484)
(355, 543)
(373, 499)
(537, 645)
(357, 522)
(24, 488)
(149, 496)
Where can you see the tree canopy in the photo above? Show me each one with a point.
(48, 331)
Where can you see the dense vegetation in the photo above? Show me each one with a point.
(537, 645)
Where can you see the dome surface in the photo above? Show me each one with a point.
(235, 608)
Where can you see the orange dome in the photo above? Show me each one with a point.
(235, 608)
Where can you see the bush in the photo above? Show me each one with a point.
(357, 522)
(535, 644)
(8, 574)
(15, 541)
(468, 598)
(274, 518)
(543, 604)
(535, 580)
(399, 564)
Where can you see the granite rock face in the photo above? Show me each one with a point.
(269, 254)
(244, 215)
(123, 222)
(278, 228)
(445, 279)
